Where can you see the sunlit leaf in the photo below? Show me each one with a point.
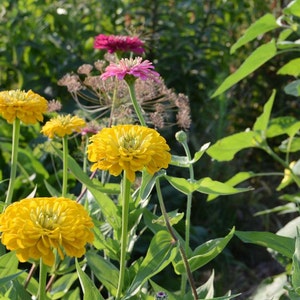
(293, 9)
(233, 181)
(257, 58)
(262, 121)
(291, 68)
(104, 270)
(161, 252)
(281, 244)
(226, 148)
(62, 285)
(283, 125)
(205, 185)
(261, 26)
(88, 287)
(205, 253)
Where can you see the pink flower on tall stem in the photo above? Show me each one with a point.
(114, 43)
(134, 67)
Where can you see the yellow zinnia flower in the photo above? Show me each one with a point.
(34, 227)
(26, 106)
(62, 125)
(129, 148)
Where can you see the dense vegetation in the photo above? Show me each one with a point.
(190, 44)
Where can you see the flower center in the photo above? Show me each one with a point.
(47, 220)
(129, 143)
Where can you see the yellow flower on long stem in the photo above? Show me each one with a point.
(34, 227)
(62, 125)
(130, 148)
(29, 107)
(17, 106)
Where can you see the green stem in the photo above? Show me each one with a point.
(181, 249)
(188, 212)
(14, 159)
(65, 166)
(42, 281)
(135, 103)
(281, 161)
(124, 233)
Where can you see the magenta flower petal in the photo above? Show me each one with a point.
(135, 67)
(114, 43)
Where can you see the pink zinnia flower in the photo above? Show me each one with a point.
(114, 43)
(134, 67)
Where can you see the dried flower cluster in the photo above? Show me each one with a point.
(109, 98)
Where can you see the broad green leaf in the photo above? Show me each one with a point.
(226, 148)
(281, 244)
(261, 26)
(88, 287)
(62, 285)
(293, 88)
(106, 204)
(205, 185)
(161, 252)
(291, 68)
(296, 266)
(262, 121)
(104, 270)
(8, 264)
(293, 9)
(283, 125)
(173, 216)
(205, 253)
(257, 58)
(9, 278)
(148, 182)
(233, 181)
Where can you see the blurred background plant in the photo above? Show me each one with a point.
(189, 43)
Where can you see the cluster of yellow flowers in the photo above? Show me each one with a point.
(34, 227)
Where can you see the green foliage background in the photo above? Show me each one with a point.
(189, 42)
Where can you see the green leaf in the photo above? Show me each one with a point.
(148, 182)
(296, 266)
(9, 278)
(257, 58)
(262, 121)
(8, 264)
(233, 181)
(205, 185)
(261, 26)
(290, 146)
(205, 253)
(291, 68)
(88, 287)
(104, 270)
(283, 125)
(162, 251)
(226, 148)
(293, 9)
(62, 285)
(183, 162)
(281, 244)
(106, 204)
(293, 88)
